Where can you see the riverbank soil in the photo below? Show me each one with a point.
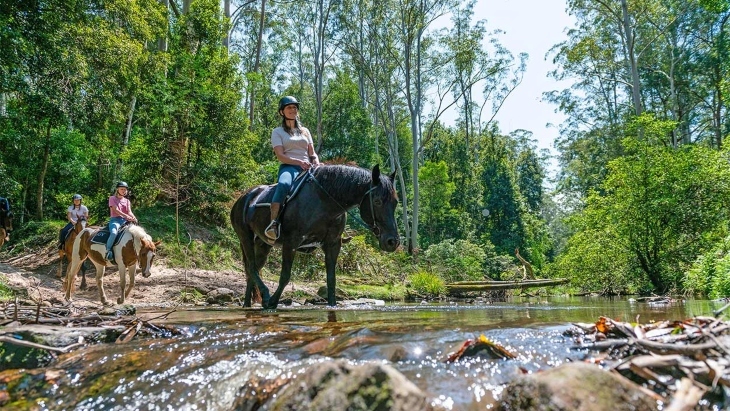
(35, 275)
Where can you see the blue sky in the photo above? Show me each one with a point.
(531, 26)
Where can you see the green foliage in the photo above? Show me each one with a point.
(425, 283)
(456, 260)
(595, 262)
(437, 217)
(660, 209)
(386, 292)
(196, 246)
(347, 129)
(6, 293)
(191, 295)
(504, 202)
(709, 276)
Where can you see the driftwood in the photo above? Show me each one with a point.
(683, 360)
(467, 286)
(526, 267)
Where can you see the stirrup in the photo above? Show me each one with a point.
(272, 231)
(109, 255)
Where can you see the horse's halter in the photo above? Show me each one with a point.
(374, 227)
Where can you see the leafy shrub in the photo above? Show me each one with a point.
(456, 260)
(700, 275)
(426, 283)
(596, 261)
(710, 274)
(721, 280)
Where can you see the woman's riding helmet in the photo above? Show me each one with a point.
(287, 100)
(78, 197)
(122, 184)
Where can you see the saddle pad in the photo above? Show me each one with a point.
(101, 236)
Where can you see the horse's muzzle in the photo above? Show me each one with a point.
(144, 273)
(389, 243)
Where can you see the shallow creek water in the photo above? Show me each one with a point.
(224, 351)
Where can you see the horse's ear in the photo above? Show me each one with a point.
(376, 174)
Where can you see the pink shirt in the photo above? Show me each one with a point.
(123, 204)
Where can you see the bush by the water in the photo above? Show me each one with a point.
(710, 274)
(425, 283)
(456, 260)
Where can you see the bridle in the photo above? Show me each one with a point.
(368, 194)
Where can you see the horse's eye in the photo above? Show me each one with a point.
(378, 202)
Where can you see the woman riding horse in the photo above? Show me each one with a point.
(314, 216)
(293, 146)
(74, 213)
(135, 248)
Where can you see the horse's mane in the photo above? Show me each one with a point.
(140, 236)
(340, 177)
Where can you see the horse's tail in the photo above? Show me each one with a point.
(240, 218)
(256, 295)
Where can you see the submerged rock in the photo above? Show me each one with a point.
(118, 310)
(575, 386)
(339, 386)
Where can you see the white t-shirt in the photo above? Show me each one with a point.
(294, 146)
(78, 212)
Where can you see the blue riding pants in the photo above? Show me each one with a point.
(287, 174)
(114, 225)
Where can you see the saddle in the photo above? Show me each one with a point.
(102, 235)
(263, 195)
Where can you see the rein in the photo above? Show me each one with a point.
(373, 228)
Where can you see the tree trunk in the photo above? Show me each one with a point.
(633, 65)
(42, 174)
(162, 41)
(257, 63)
(227, 13)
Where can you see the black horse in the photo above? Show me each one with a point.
(314, 216)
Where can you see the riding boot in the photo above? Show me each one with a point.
(272, 230)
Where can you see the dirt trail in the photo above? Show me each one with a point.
(36, 273)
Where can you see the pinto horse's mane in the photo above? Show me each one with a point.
(140, 236)
(341, 178)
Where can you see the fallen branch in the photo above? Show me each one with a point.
(23, 343)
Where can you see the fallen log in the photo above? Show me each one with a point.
(467, 286)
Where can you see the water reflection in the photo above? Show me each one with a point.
(227, 353)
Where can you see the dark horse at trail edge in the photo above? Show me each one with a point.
(314, 216)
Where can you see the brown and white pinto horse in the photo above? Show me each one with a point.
(6, 224)
(67, 250)
(135, 247)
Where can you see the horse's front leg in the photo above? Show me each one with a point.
(125, 293)
(100, 282)
(331, 253)
(287, 260)
(70, 280)
(123, 282)
(61, 256)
